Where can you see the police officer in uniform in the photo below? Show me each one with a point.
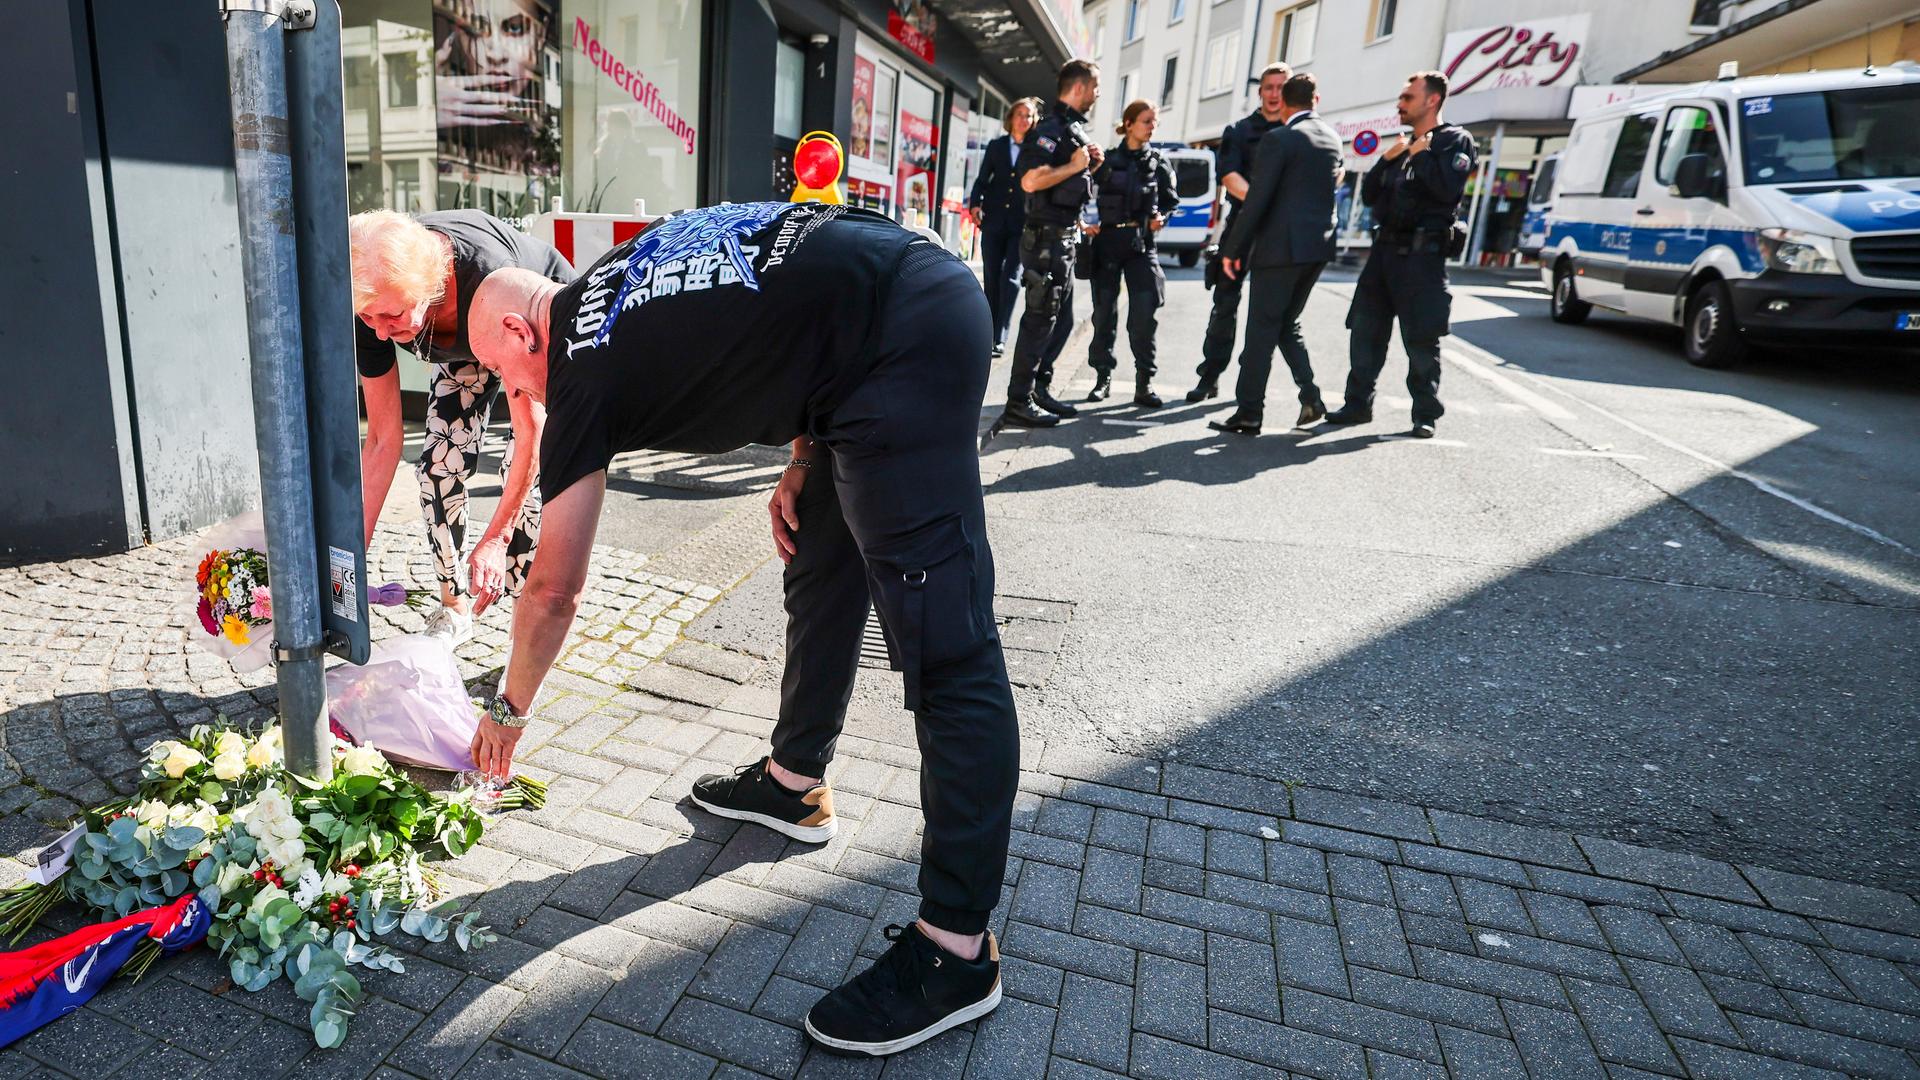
(1056, 171)
(1134, 187)
(1415, 192)
(1237, 144)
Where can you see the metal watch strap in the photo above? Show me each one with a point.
(500, 713)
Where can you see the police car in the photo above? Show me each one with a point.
(1747, 211)
(1185, 233)
(1533, 224)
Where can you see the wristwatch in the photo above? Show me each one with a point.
(500, 713)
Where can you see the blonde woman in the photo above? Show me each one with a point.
(413, 281)
(999, 210)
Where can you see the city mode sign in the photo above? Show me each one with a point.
(1539, 52)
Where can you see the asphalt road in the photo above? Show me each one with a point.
(1618, 594)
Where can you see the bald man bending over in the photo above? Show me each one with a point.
(866, 347)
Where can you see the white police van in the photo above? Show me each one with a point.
(1533, 224)
(1185, 233)
(1747, 211)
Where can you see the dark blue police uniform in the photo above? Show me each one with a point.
(1237, 146)
(1415, 199)
(1046, 249)
(1133, 187)
(1003, 211)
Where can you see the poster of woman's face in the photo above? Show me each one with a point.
(492, 60)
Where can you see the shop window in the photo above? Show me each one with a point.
(1629, 158)
(1167, 76)
(1689, 131)
(1293, 31)
(629, 120)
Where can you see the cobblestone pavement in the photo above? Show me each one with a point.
(1160, 920)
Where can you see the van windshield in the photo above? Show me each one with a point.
(1192, 178)
(1835, 135)
(1542, 189)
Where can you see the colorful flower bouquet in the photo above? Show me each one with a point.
(234, 600)
(301, 878)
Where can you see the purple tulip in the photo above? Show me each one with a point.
(392, 594)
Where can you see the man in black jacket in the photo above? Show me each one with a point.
(1287, 225)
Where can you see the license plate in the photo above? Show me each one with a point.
(1907, 320)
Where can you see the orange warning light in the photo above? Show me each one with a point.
(817, 162)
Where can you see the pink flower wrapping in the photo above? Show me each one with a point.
(262, 603)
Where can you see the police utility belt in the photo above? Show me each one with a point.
(1450, 241)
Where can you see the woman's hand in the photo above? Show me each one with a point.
(487, 572)
(784, 509)
(492, 748)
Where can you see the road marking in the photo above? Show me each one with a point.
(1135, 423)
(1546, 407)
(1614, 454)
(1677, 447)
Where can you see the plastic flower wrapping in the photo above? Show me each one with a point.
(303, 879)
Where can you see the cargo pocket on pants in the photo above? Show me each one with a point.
(923, 586)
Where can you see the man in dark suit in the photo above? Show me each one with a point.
(999, 209)
(1284, 238)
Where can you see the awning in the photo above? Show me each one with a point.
(1023, 42)
(1786, 29)
(1509, 103)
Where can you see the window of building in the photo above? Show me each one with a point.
(406, 184)
(357, 83)
(403, 79)
(1293, 31)
(1135, 9)
(1178, 11)
(1689, 131)
(1126, 90)
(1629, 158)
(1167, 75)
(1384, 14)
(1221, 54)
(634, 136)
(789, 88)
(1100, 36)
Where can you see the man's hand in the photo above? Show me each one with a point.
(784, 509)
(1421, 144)
(1089, 230)
(493, 746)
(487, 572)
(974, 215)
(1081, 157)
(1095, 155)
(1399, 147)
(1231, 268)
(1159, 222)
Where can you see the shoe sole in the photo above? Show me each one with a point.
(807, 834)
(907, 1042)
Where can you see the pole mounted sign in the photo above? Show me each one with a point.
(1365, 142)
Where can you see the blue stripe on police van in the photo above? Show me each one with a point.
(1656, 245)
(1874, 210)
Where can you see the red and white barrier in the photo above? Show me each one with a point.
(583, 238)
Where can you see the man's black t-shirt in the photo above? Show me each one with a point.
(1239, 144)
(713, 329)
(481, 244)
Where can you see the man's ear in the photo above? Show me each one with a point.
(521, 330)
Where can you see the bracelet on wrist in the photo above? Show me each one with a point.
(800, 463)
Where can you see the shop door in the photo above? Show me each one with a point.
(870, 144)
(916, 157)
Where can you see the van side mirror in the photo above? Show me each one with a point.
(1697, 178)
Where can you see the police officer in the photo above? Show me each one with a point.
(1134, 187)
(1056, 171)
(1237, 144)
(1414, 191)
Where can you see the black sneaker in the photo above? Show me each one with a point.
(749, 794)
(914, 992)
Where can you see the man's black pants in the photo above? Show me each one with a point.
(1410, 286)
(898, 521)
(1114, 262)
(1278, 296)
(1046, 261)
(1000, 273)
(1216, 348)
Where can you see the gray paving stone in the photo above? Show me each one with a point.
(1385, 1066)
(1601, 890)
(1563, 918)
(1221, 817)
(1792, 965)
(1062, 1069)
(1285, 1047)
(1296, 866)
(1052, 849)
(609, 1050)
(1322, 838)
(1354, 1022)
(1012, 1041)
(731, 1035)
(1667, 869)
(1159, 1059)
(184, 1015)
(548, 1016)
(1359, 813)
(1112, 879)
(1425, 893)
(883, 870)
(668, 921)
(824, 948)
(1140, 932)
(1739, 995)
(1428, 1000)
(1046, 896)
(1359, 879)
(1490, 977)
(1713, 948)
(1489, 904)
(1472, 1055)
(1858, 939)
(786, 1001)
(1308, 955)
(1119, 830)
(1265, 896)
(675, 869)
(1439, 933)
(1778, 924)
(1825, 1050)
(593, 888)
(1177, 842)
(87, 1043)
(1874, 981)
(1029, 981)
(736, 901)
(1706, 1061)
(1131, 800)
(1553, 956)
(737, 971)
(833, 890)
(1838, 901)
(1170, 999)
(1464, 864)
(748, 856)
(1161, 874)
(1525, 843)
(604, 945)
(502, 1062)
(1552, 1043)
(1241, 978)
(1860, 1021)
(1637, 933)
(1068, 951)
(646, 992)
(1621, 1027)
(1206, 914)
(1371, 936)
(1679, 1002)
(1095, 1022)
(1226, 789)
(940, 1058)
(1236, 853)
(1066, 820)
(446, 1039)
